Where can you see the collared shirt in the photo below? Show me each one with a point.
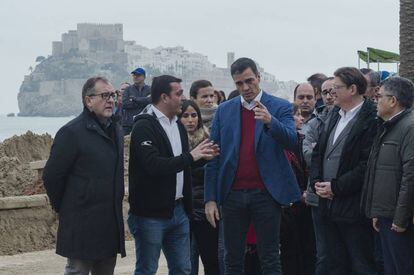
(252, 104)
(171, 129)
(346, 117)
(396, 114)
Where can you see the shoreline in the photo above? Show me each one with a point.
(16, 126)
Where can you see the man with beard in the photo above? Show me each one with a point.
(312, 132)
(160, 194)
(304, 97)
(316, 81)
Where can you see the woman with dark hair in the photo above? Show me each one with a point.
(205, 235)
(219, 97)
(297, 241)
(223, 96)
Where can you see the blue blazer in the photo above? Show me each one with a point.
(274, 168)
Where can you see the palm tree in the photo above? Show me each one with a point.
(407, 38)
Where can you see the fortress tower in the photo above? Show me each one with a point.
(230, 59)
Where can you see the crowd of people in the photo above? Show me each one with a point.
(251, 184)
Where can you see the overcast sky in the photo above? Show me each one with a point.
(291, 39)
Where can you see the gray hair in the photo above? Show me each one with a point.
(402, 88)
(89, 86)
(374, 78)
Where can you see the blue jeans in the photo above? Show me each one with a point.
(320, 240)
(153, 234)
(398, 248)
(240, 209)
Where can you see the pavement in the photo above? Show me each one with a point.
(48, 263)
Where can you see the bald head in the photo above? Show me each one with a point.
(305, 97)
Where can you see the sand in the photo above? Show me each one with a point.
(16, 177)
(30, 229)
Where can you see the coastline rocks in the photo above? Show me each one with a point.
(54, 88)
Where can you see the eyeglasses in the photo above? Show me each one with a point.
(187, 115)
(106, 96)
(328, 91)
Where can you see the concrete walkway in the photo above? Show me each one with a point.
(48, 263)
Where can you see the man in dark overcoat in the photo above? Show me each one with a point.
(83, 178)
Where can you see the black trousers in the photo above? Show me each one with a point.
(83, 267)
(207, 242)
(241, 208)
(297, 241)
(350, 248)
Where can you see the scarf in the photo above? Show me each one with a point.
(199, 136)
(207, 114)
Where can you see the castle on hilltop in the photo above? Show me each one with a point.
(102, 42)
(100, 49)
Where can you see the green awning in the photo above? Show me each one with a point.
(379, 56)
(384, 56)
(363, 55)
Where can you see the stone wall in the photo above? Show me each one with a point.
(28, 223)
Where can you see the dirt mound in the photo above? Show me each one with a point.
(16, 177)
(25, 230)
(30, 229)
(15, 155)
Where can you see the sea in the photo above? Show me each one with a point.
(10, 126)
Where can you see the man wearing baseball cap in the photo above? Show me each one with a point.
(135, 98)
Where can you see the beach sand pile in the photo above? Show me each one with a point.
(30, 229)
(16, 177)
(27, 229)
(16, 153)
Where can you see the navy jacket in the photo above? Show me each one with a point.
(133, 102)
(84, 179)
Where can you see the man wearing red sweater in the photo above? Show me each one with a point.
(251, 178)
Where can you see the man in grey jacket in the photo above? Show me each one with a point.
(312, 131)
(388, 195)
(314, 126)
